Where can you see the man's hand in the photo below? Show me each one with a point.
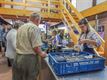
(40, 52)
(43, 54)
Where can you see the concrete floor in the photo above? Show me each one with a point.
(5, 71)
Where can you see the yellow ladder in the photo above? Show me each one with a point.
(71, 17)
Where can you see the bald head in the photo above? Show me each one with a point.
(35, 18)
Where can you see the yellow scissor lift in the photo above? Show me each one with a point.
(56, 10)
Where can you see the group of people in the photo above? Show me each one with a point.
(87, 42)
(5, 30)
(24, 46)
(8, 35)
(22, 43)
(56, 40)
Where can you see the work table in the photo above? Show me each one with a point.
(49, 74)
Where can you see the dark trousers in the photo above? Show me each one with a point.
(25, 67)
(9, 62)
(0, 46)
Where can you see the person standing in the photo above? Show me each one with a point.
(1, 33)
(28, 42)
(5, 30)
(11, 44)
(88, 39)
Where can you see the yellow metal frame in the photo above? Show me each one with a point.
(71, 32)
(9, 11)
(43, 1)
(95, 10)
(72, 20)
(25, 4)
(101, 48)
(74, 9)
(18, 12)
(49, 7)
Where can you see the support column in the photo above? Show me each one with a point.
(97, 22)
(48, 8)
(103, 22)
(105, 38)
(94, 2)
(11, 5)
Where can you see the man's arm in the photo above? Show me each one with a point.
(40, 52)
(36, 42)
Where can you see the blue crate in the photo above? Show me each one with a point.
(72, 53)
(70, 50)
(63, 68)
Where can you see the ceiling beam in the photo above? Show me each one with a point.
(25, 4)
(18, 12)
(26, 17)
(9, 11)
(100, 8)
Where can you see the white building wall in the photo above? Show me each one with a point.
(83, 4)
(100, 1)
(74, 2)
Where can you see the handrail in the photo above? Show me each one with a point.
(74, 38)
(79, 16)
(71, 18)
(74, 9)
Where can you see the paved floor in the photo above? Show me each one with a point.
(5, 71)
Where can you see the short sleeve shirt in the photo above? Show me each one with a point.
(11, 44)
(28, 37)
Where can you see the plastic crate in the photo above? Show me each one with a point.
(62, 68)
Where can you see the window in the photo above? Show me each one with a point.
(74, 3)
